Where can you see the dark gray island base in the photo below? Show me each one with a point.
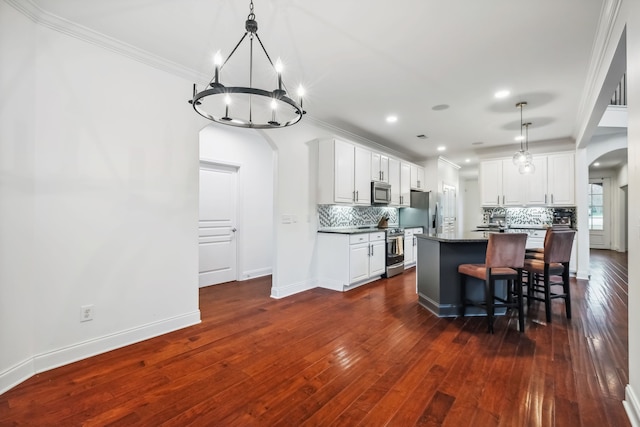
(438, 282)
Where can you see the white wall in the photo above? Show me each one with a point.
(471, 205)
(632, 17)
(295, 194)
(17, 158)
(255, 159)
(111, 148)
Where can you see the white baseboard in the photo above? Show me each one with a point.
(294, 288)
(252, 274)
(16, 374)
(334, 285)
(63, 356)
(632, 406)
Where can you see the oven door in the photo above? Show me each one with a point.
(395, 250)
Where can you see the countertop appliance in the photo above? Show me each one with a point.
(394, 258)
(419, 214)
(563, 217)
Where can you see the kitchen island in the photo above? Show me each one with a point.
(438, 282)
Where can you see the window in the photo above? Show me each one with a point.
(596, 206)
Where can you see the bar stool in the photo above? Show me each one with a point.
(553, 261)
(504, 261)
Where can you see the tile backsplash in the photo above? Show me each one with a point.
(530, 216)
(331, 216)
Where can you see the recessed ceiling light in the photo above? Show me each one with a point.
(392, 119)
(596, 164)
(440, 107)
(501, 94)
(467, 160)
(441, 148)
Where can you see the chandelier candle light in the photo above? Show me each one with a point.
(522, 158)
(258, 108)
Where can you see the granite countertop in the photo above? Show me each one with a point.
(354, 230)
(465, 237)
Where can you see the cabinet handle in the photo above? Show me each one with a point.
(551, 198)
(371, 250)
(382, 172)
(503, 199)
(545, 199)
(498, 201)
(369, 253)
(357, 195)
(353, 197)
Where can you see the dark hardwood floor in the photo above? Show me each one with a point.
(368, 357)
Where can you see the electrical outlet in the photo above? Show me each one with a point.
(86, 313)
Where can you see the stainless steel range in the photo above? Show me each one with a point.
(395, 252)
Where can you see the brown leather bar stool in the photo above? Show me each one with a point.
(552, 262)
(504, 261)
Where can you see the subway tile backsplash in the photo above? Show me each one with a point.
(331, 216)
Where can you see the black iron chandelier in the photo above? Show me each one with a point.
(248, 106)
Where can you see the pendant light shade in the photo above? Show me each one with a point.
(523, 158)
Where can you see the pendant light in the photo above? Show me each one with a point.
(522, 156)
(527, 168)
(248, 106)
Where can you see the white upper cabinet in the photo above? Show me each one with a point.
(362, 173)
(537, 182)
(405, 184)
(552, 183)
(417, 178)
(561, 179)
(394, 181)
(344, 173)
(513, 185)
(490, 181)
(380, 167)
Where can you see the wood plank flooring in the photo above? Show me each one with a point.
(369, 357)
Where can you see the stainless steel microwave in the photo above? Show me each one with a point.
(380, 193)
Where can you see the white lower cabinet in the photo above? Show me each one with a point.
(349, 260)
(411, 246)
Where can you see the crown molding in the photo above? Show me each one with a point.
(599, 64)
(41, 17)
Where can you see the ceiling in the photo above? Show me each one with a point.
(434, 64)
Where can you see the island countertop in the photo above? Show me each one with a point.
(465, 237)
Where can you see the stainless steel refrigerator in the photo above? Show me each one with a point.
(422, 213)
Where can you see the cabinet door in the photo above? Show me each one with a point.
(377, 259)
(417, 177)
(394, 181)
(376, 171)
(491, 183)
(359, 262)
(344, 172)
(514, 184)
(405, 184)
(537, 182)
(384, 168)
(561, 179)
(409, 255)
(362, 176)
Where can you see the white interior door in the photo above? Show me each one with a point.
(217, 226)
(599, 213)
